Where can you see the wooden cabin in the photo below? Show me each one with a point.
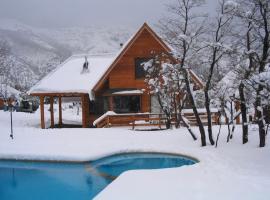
(109, 83)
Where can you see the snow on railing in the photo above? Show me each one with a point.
(102, 117)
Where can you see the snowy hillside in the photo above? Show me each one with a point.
(89, 39)
(37, 51)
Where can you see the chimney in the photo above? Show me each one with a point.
(121, 45)
(85, 65)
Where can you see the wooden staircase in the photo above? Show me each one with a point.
(203, 116)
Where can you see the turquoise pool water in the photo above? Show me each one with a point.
(62, 181)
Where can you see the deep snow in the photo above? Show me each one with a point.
(231, 171)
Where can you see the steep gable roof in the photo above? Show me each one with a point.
(127, 46)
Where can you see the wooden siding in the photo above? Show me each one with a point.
(123, 74)
(145, 104)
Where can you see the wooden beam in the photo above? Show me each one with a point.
(51, 111)
(42, 118)
(71, 94)
(83, 115)
(85, 110)
(60, 111)
(111, 103)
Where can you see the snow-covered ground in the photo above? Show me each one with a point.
(231, 171)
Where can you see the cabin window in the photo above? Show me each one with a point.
(139, 70)
(127, 104)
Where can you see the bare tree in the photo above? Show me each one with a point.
(243, 58)
(224, 98)
(183, 30)
(264, 27)
(216, 47)
(160, 83)
(258, 12)
(168, 85)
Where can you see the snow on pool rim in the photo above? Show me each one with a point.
(142, 154)
(98, 158)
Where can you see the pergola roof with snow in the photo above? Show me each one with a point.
(69, 77)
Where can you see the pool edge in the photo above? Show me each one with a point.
(101, 157)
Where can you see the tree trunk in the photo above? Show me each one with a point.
(244, 113)
(187, 126)
(229, 132)
(168, 123)
(219, 116)
(168, 115)
(259, 117)
(218, 135)
(194, 108)
(209, 117)
(267, 128)
(261, 133)
(231, 121)
(177, 119)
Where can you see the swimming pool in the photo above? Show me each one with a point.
(69, 181)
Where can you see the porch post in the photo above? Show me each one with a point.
(60, 111)
(111, 103)
(85, 110)
(42, 118)
(51, 111)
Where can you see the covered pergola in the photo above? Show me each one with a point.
(84, 102)
(75, 77)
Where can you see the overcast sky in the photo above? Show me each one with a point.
(65, 13)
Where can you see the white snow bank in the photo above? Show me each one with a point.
(231, 171)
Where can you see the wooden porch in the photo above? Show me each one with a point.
(148, 119)
(84, 98)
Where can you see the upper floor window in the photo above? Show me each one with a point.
(139, 69)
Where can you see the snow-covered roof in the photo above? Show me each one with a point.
(69, 77)
(7, 91)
